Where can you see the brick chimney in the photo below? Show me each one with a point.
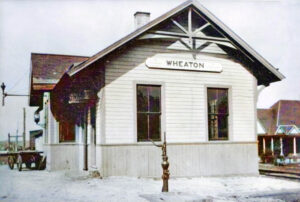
(141, 18)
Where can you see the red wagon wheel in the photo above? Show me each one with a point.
(19, 162)
(28, 165)
(11, 162)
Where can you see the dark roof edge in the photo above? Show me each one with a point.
(130, 36)
(239, 40)
(54, 54)
(156, 21)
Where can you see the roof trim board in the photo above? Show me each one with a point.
(212, 19)
(129, 37)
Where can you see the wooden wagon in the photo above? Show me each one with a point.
(26, 157)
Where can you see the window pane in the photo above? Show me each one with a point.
(222, 101)
(142, 126)
(142, 98)
(212, 100)
(222, 123)
(213, 127)
(154, 126)
(154, 98)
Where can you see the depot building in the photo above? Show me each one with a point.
(184, 73)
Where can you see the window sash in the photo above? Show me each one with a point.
(149, 114)
(218, 114)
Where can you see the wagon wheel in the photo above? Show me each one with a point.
(37, 163)
(42, 163)
(11, 162)
(28, 165)
(19, 162)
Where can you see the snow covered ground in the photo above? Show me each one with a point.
(78, 186)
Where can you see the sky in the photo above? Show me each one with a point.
(78, 27)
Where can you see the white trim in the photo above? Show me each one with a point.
(277, 124)
(260, 127)
(294, 128)
(279, 129)
(255, 99)
(281, 147)
(272, 145)
(177, 143)
(294, 146)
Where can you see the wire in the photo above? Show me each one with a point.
(18, 81)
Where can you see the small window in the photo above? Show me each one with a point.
(217, 102)
(66, 131)
(148, 112)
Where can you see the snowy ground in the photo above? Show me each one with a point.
(78, 186)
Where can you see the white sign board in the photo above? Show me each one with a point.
(180, 64)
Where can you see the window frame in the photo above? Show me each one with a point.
(162, 110)
(230, 114)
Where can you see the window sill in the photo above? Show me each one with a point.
(178, 143)
(149, 142)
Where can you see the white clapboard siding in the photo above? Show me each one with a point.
(186, 160)
(185, 95)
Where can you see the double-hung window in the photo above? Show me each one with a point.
(217, 102)
(148, 112)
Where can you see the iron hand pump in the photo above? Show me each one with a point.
(164, 164)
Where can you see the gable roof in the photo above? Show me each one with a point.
(242, 45)
(260, 129)
(46, 70)
(288, 112)
(284, 115)
(267, 118)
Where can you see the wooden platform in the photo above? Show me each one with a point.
(8, 153)
(287, 171)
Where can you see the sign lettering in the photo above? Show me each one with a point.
(179, 64)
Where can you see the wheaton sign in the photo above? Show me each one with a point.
(179, 64)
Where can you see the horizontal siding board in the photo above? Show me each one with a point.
(184, 94)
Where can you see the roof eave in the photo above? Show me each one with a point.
(130, 36)
(240, 42)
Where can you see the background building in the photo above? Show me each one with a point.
(280, 128)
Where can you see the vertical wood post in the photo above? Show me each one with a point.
(264, 145)
(8, 141)
(294, 146)
(281, 147)
(272, 146)
(85, 125)
(17, 142)
(24, 128)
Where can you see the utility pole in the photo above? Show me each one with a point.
(8, 141)
(24, 128)
(4, 94)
